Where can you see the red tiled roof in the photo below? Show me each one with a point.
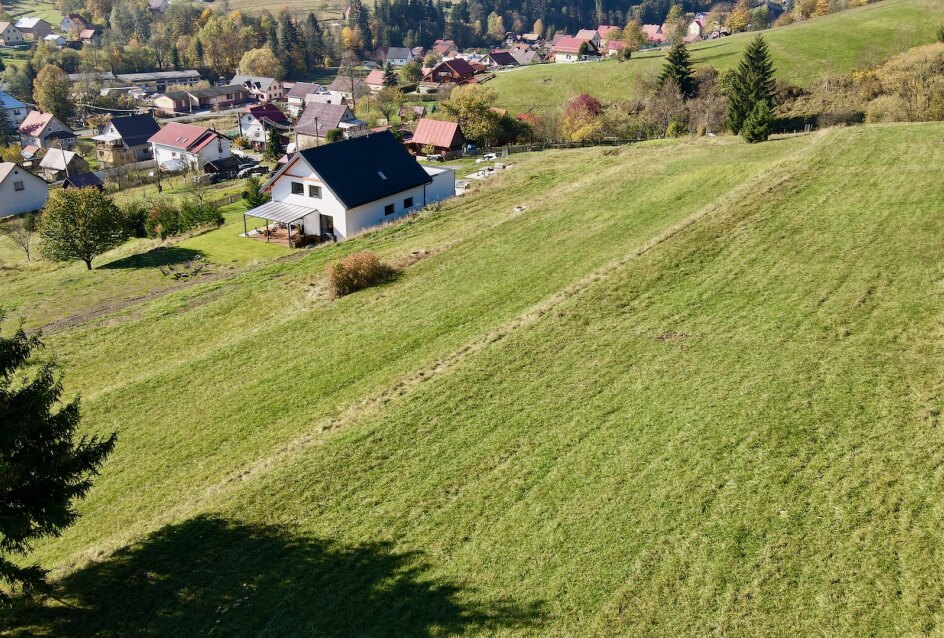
(654, 32)
(606, 30)
(183, 136)
(435, 132)
(35, 122)
(569, 44)
(375, 78)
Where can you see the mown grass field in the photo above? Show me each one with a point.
(802, 53)
(693, 388)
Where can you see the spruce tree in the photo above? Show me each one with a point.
(753, 82)
(390, 76)
(678, 67)
(43, 467)
(274, 146)
(758, 124)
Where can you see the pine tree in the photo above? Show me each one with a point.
(758, 124)
(174, 57)
(678, 67)
(198, 52)
(43, 468)
(390, 76)
(753, 82)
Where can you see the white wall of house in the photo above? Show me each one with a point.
(566, 58)
(217, 149)
(251, 128)
(15, 116)
(443, 186)
(22, 192)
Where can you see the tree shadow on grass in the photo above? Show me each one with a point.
(155, 258)
(209, 576)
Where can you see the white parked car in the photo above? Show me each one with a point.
(488, 157)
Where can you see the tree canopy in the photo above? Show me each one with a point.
(52, 91)
(678, 68)
(80, 224)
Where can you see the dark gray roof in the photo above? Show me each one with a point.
(135, 129)
(400, 53)
(365, 169)
(328, 116)
(86, 180)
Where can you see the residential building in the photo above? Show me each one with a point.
(318, 119)
(590, 35)
(125, 141)
(455, 71)
(348, 88)
(179, 147)
(13, 110)
(499, 59)
(91, 37)
(398, 56)
(57, 164)
(83, 180)
(338, 190)
(10, 34)
(445, 48)
(44, 130)
(654, 33)
(73, 21)
(20, 191)
(56, 40)
(524, 54)
(34, 28)
(214, 98)
(606, 33)
(440, 137)
(158, 81)
(304, 93)
(614, 47)
(257, 120)
(375, 80)
(573, 49)
(261, 88)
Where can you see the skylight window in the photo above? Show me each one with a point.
(382, 176)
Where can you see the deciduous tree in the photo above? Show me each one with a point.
(80, 224)
(261, 62)
(21, 232)
(52, 92)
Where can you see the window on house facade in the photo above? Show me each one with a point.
(18, 186)
(314, 191)
(408, 202)
(298, 188)
(389, 209)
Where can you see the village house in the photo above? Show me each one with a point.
(606, 32)
(158, 81)
(455, 71)
(179, 147)
(375, 80)
(573, 49)
(56, 40)
(20, 191)
(437, 137)
(530, 38)
(261, 88)
(614, 47)
(213, 98)
(44, 130)
(524, 54)
(58, 164)
(590, 35)
(91, 37)
(499, 60)
(654, 33)
(12, 109)
(336, 191)
(84, 180)
(348, 88)
(318, 119)
(34, 28)
(445, 48)
(72, 21)
(303, 93)
(125, 141)
(10, 34)
(398, 56)
(257, 120)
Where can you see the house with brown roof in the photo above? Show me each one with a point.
(313, 126)
(375, 80)
(499, 59)
(91, 36)
(44, 130)
(348, 88)
(73, 21)
(607, 32)
(456, 71)
(10, 34)
(180, 147)
(258, 120)
(441, 137)
(654, 33)
(445, 48)
(301, 94)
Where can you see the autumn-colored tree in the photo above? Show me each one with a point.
(496, 26)
(471, 107)
(677, 24)
(633, 38)
(740, 17)
(581, 122)
(822, 8)
(52, 91)
(261, 62)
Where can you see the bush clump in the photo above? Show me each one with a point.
(166, 220)
(356, 272)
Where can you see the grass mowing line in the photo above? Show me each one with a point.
(760, 183)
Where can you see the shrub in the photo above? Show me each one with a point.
(136, 215)
(166, 220)
(940, 33)
(334, 135)
(356, 272)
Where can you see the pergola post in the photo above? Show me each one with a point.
(245, 227)
(267, 231)
(290, 234)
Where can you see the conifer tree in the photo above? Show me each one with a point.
(43, 468)
(758, 124)
(390, 76)
(678, 68)
(753, 82)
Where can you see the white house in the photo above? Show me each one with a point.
(56, 40)
(20, 191)
(10, 34)
(338, 190)
(44, 130)
(72, 21)
(398, 56)
(178, 147)
(256, 121)
(13, 110)
(303, 93)
(590, 35)
(263, 89)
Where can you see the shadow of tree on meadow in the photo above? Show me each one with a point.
(154, 258)
(209, 576)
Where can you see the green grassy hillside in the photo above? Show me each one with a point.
(802, 53)
(693, 388)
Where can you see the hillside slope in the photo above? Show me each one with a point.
(802, 52)
(693, 388)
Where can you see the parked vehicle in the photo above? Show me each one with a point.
(253, 170)
(435, 158)
(488, 157)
